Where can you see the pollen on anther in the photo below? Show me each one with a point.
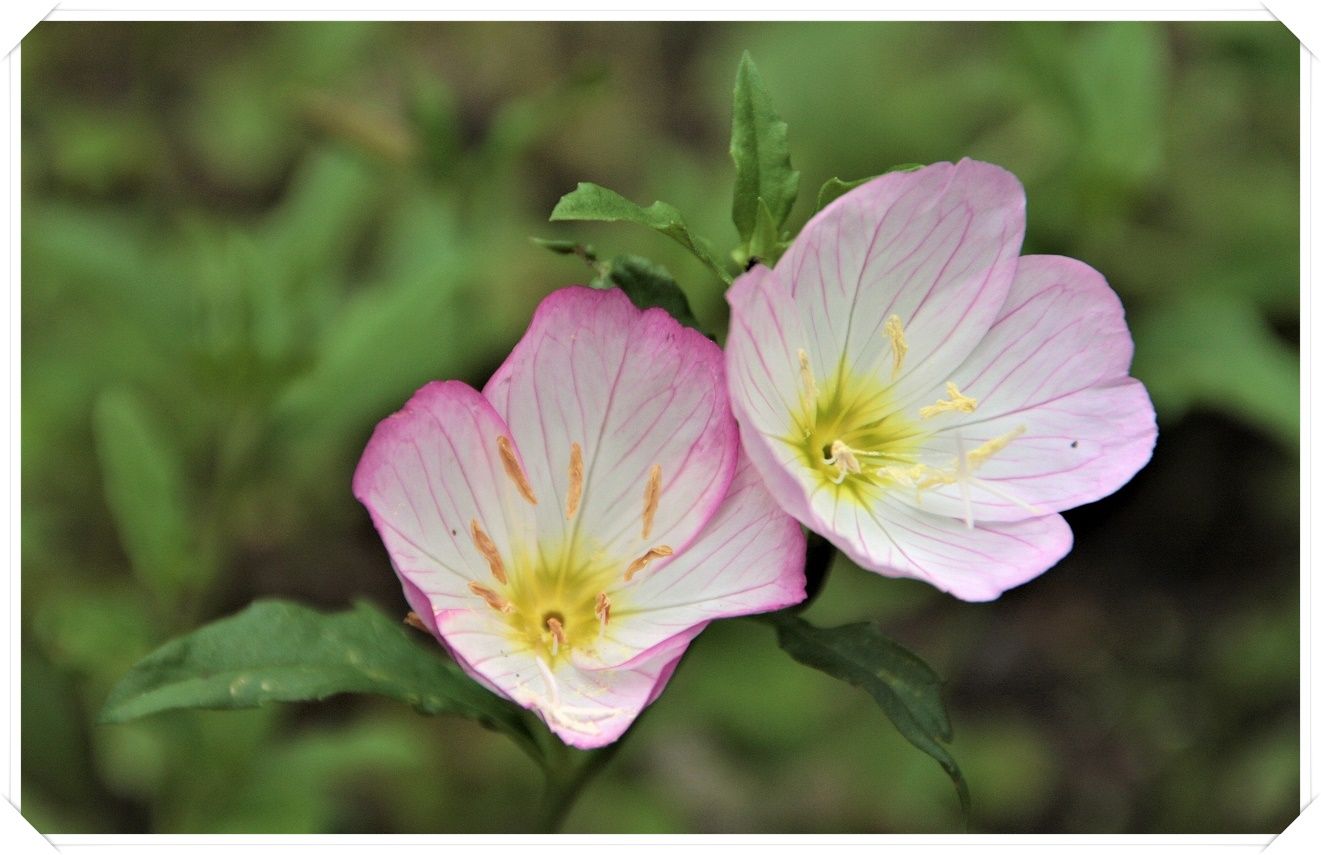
(487, 548)
(603, 609)
(651, 500)
(645, 559)
(894, 330)
(556, 634)
(494, 600)
(575, 481)
(514, 469)
(809, 379)
(958, 402)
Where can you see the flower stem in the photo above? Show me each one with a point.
(565, 784)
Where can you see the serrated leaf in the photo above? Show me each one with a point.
(759, 146)
(836, 187)
(649, 284)
(143, 478)
(904, 686)
(594, 203)
(281, 651)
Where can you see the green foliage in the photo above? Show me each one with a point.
(647, 284)
(904, 686)
(765, 183)
(1259, 384)
(595, 203)
(145, 489)
(281, 651)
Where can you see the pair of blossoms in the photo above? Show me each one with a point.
(903, 382)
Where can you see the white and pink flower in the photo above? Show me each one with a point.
(566, 532)
(912, 389)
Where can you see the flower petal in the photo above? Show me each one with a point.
(748, 559)
(428, 472)
(895, 539)
(1054, 365)
(586, 709)
(936, 246)
(635, 390)
(766, 385)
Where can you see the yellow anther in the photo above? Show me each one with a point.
(894, 329)
(645, 559)
(494, 600)
(514, 470)
(486, 547)
(556, 629)
(981, 453)
(575, 481)
(957, 402)
(651, 500)
(904, 476)
(809, 380)
(603, 609)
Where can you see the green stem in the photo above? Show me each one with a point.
(565, 784)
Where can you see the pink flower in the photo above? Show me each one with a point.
(912, 389)
(568, 531)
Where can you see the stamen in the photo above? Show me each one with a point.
(844, 459)
(412, 619)
(894, 329)
(809, 381)
(904, 476)
(645, 559)
(494, 600)
(556, 634)
(486, 547)
(979, 455)
(603, 609)
(514, 470)
(957, 402)
(575, 480)
(552, 688)
(651, 500)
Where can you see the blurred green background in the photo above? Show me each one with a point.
(244, 244)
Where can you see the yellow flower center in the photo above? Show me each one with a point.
(558, 598)
(851, 433)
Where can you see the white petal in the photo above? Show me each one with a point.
(748, 559)
(937, 247)
(634, 390)
(427, 473)
(892, 537)
(586, 709)
(1054, 364)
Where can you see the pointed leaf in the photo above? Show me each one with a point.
(760, 148)
(591, 202)
(281, 651)
(904, 686)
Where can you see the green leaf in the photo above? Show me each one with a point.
(143, 478)
(649, 284)
(904, 686)
(594, 203)
(281, 651)
(836, 187)
(760, 148)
